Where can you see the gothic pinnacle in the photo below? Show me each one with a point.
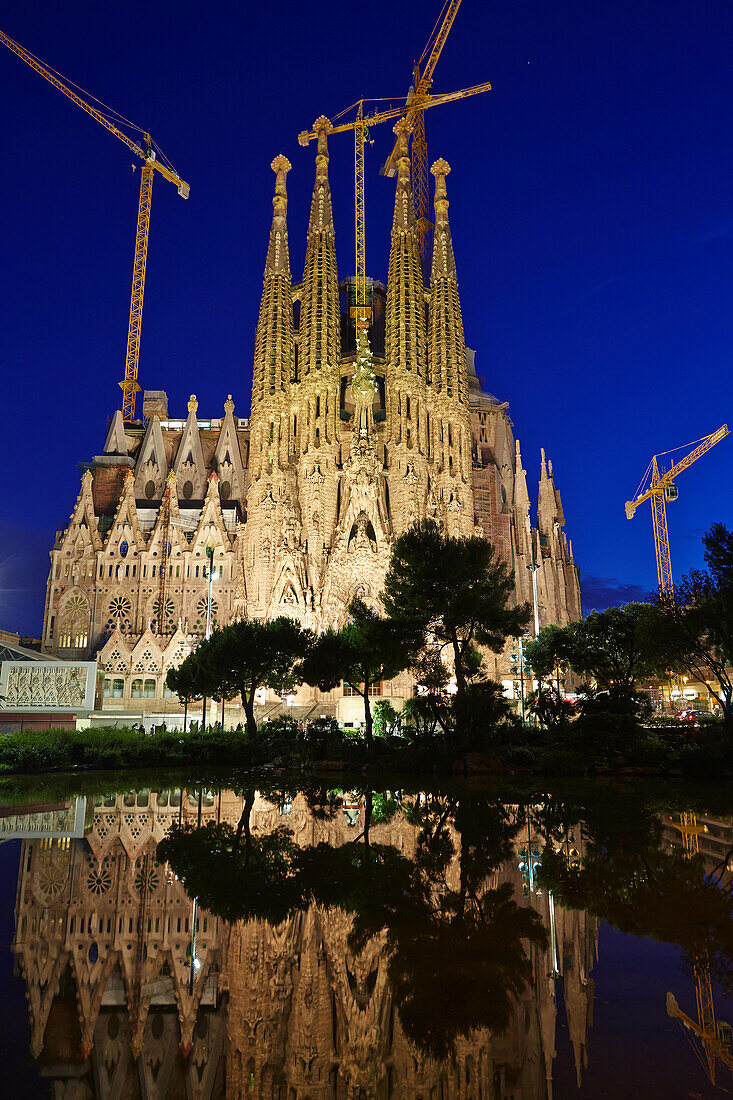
(447, 347)
(404, 211)
(321, 213)
(443, 259)
(278, 259)
(320, 323)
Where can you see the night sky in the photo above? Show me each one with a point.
(591, 210)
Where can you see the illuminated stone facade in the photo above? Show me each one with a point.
(103, 942)
(348, 443)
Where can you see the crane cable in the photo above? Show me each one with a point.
(640, 488)
(108, 112)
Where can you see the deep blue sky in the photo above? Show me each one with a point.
(591, 209)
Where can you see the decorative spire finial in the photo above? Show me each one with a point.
(440, 170)
(228, 404)
(192, 403)
(280, 166)
(322, 127)
(402, 129)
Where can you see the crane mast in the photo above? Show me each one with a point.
(705, 1028)
(422, 79)
(660, 488)
(146, 152)
(360, 127)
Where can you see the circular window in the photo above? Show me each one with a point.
(225, 490)
(123, 549)
(150, 489)
(93, 953)
(99, 877)
(188, 489)
(119, 608)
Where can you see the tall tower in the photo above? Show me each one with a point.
(450, 422)
(315, 391)
(406, 377)
(269, 504)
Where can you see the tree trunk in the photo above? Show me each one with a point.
(458, 665)
(185, 713)
(222, 713)
(203, 714)
(248, 702)
(243, 824)
(368, 721)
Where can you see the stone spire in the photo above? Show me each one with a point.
(320, 322)
(405, 322)
(547, 510)
(446, 342)
(274, 337)
(521, 494)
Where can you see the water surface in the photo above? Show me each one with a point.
(254, 940)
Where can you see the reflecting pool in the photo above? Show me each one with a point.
(252, 940)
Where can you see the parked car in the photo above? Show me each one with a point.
(694, 717)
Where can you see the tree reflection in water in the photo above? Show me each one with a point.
(454, 937)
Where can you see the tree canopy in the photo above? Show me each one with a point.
(696, 621)
(455, 590)
(368, 649)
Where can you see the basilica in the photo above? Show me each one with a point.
(355, 432)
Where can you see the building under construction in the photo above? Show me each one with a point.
(348, 442)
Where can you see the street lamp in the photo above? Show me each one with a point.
(533, 570)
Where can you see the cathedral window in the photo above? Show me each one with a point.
(187, 490)
(134, 570)
(374, 689)
(119, 611)
(107, 689)
(118, 689)
(150, 489)
(124, 548)
(149, 689)
(137, 689)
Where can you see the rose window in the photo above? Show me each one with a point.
(99, 876)
(147, 877)
(119, 611)
(168, 607)
(51, 877)
(200, 623)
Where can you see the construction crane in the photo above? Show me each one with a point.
(705, 1028)
(148, 152)
(422, 79)
(659, 487)
(360, 127)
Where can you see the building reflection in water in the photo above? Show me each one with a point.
(105, 943)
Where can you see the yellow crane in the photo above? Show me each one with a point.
(659, 487)
(705, 1028)
(148, 152)
(422, 79)
(360, 127)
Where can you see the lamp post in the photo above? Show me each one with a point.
(533, 570)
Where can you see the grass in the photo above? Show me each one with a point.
(514, 749)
